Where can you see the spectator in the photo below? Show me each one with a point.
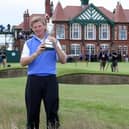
(126, 58)
(103, 57)
(114, 59)
(81, 57)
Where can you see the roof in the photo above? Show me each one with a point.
(106, 12)
(91, 14)
(126, 11)
(69, 12)
(72, 11)
(21, 25)
(120, 15)
(61, 14)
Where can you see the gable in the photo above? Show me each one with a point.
(91, 15)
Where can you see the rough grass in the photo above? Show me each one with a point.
(81, 106)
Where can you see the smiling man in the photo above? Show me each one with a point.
(41, 82)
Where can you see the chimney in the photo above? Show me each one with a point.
(26, 25)
(48, 7)
(51, 9)
(84, 3)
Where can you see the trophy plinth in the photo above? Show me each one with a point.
(49, 45)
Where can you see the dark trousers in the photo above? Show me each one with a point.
(37, 89)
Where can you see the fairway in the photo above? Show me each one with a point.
(81, 106)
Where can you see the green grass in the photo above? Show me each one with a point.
(81, 106)
(93, 67)
(95, 107)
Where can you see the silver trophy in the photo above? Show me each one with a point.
(48, 44)
(50, 27)
(50, 31)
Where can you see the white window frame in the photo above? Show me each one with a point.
(60, 31)
(122, 32)
(104, 46)
(123, 50)
(75, 31)
(90, 49)
(90, 28)
(75, 49)
(104, 29)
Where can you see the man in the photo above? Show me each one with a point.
(114, 57)
(41, 82)
(103, 59)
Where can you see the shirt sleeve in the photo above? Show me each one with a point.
(25, 51)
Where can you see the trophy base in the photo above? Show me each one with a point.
(49, 48)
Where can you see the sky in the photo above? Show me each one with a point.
(11, 11)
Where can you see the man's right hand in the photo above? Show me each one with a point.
(40, 48)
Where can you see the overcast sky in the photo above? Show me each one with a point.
(11, 11)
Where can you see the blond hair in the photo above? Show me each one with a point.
(35, 19)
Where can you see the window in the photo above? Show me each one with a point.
(115, 33)
(6, 39)
(2, 39)
(90, 32)
(60, 31)
(104, 32)
(123, 50)
(90, 49)
(122, 32)
(75, 49)
(104, 46)
(9, 39)
(75, 31)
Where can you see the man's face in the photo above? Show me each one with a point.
(39, 28)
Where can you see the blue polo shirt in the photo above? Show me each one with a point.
(45, 63)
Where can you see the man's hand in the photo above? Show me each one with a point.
(40, 48)
(53, 40)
